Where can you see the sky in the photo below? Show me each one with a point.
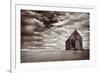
(50, 29)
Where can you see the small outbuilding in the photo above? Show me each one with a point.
(74, 42)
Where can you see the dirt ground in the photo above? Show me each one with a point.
(53, 55)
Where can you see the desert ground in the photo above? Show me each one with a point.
(53, 55)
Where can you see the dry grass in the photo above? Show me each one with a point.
(53, 55)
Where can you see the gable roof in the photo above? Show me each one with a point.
(74, 33)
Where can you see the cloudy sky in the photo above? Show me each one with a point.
(50, 29)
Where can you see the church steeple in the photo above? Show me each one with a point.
(75, 32)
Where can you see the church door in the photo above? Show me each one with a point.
(77, 44)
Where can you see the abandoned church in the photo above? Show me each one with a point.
(74, 42)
